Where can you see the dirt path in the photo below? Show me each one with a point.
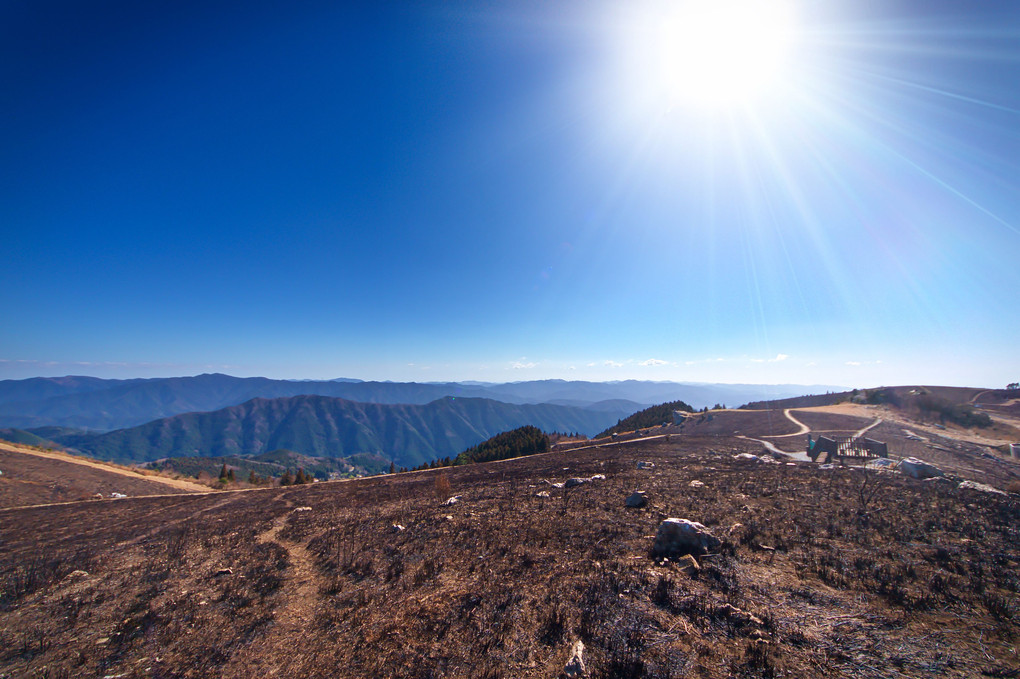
(804, 429)
(73, 459)
(861, 432)
(273, 654)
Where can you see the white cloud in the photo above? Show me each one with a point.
(519, 365)
(778, 358)
(613, 364)
(653, 361)
(591, 365)
(853, 362)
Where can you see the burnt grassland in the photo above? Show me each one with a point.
(29, 480)
(822, 573)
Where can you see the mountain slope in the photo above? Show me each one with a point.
(331, 427)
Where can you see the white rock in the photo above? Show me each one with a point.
(981, 487)
(575, 666)
(746, 456)
(575, 481)
(645, 465)
(302, 509)
(918, 469)
(696, 484)
(682, 536)
(881, 463)
(542, 493)
(453, 500)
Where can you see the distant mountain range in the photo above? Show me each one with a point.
(321, 426)
(94, 403)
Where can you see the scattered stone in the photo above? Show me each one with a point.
(76, 575)
(918, 469)
(223, 571)
(302, 509)
(453, 500)
(598, 477)
(747, 457)
(575, 481)
(734, 614)
(682, 536)
(645, 465)
(575, 666)
(736, 531)
(97, 496)
(396, 528)
(689, 564)
(102, 640)
(448, 517)
(117, 495)
(557, 485)
(981, 487)
(827, 466)
(637, 499)
(881, 463)
(542, 493)
(768, 459)
(696, 484)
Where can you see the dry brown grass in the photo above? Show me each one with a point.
(920, 579)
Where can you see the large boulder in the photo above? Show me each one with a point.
(918, 469)
(676, 537)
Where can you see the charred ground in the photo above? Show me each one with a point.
(836, 572)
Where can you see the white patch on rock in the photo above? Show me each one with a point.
(682, 536)
(575, 666)
(918, 469)
(981, 487)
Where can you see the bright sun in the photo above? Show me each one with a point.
(722, 52)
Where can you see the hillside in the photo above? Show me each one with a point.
(652, 416)
(33, 477)
(87, 402)
(379, 577)
(327, 427)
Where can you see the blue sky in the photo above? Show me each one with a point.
(508, 191)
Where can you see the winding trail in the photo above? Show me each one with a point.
(273, 653)
(803, 456)
(804, 429)
(861, 432)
